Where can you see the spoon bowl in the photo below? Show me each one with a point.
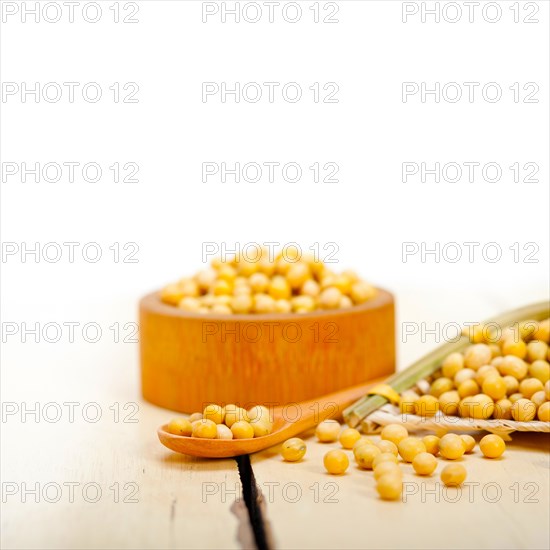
(288, 421)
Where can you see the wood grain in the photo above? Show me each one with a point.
(189, 360)
(173, 512)
(504, 503)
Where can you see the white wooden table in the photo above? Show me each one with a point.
(152, 498)
(109, 483)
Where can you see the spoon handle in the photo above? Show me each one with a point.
(311, 412)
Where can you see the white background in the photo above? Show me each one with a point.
(369, 213)
(170, 213)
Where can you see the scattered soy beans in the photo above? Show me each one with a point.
(328, 431)
(361, 442)
(365, 455)
(336, 462)
(387, 446)
(293, 449)
(431, 442)
(451, 447)
(410, 447)
(492, 446)
(387, 468)
(349, 437)
(424, 464)
(394, 433)
(383, 457)
(453, 475)
(469, 443)
(389, 486)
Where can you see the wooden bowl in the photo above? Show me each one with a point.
(189, 360)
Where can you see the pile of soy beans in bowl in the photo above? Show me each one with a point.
(268, 283)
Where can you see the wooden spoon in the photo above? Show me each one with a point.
(288, 421)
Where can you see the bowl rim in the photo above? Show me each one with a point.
(152, 303)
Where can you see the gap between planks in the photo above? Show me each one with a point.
(255, 506)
